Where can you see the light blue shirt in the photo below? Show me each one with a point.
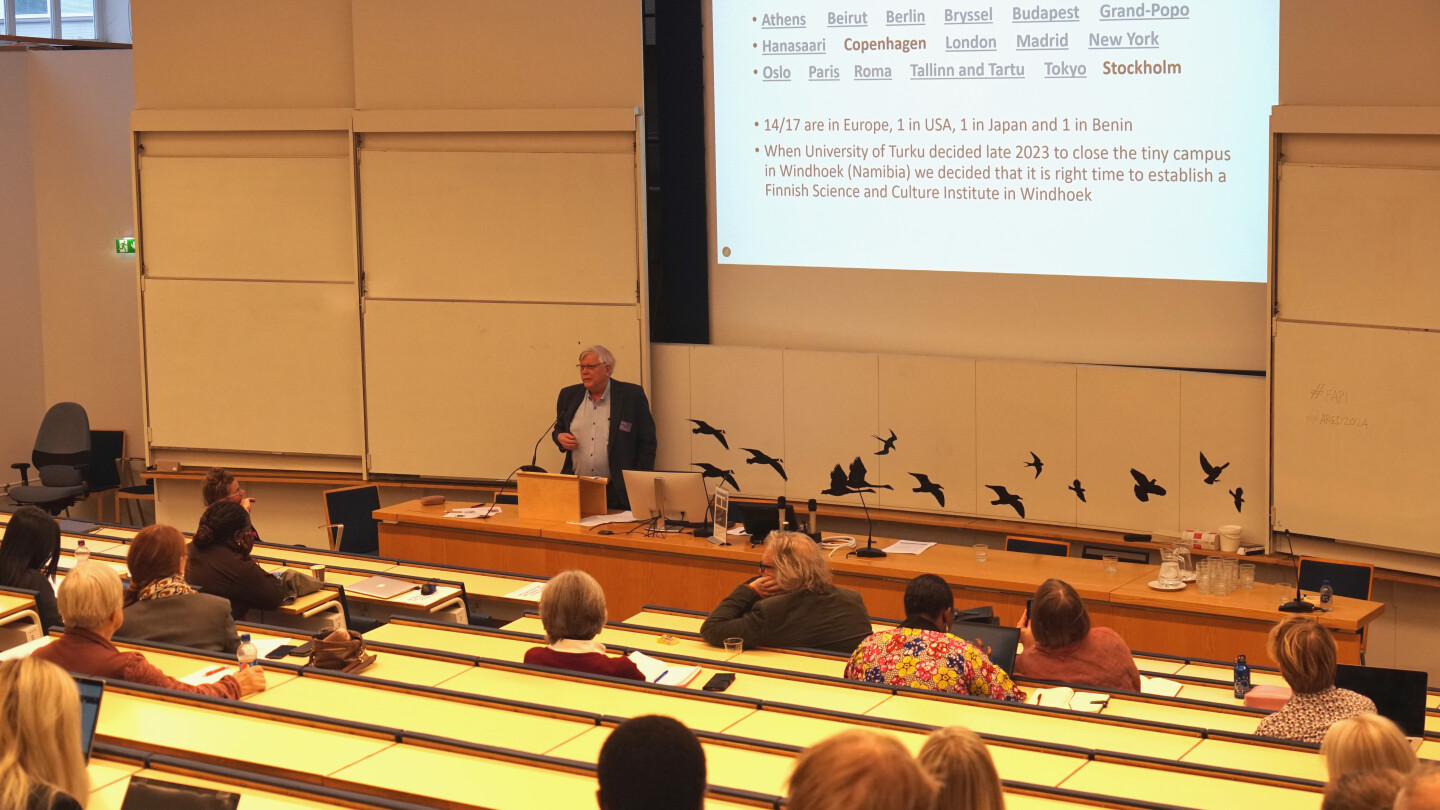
(591, 428)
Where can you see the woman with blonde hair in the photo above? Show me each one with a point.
(1305, 652)
(960, 762)
(572, 610)
(41, 764)
(1366, 742)
(792, 603)
(859, 770)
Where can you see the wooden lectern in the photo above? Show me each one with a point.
(551, 496)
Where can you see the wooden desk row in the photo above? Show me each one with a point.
(146, 722)
(689, 572)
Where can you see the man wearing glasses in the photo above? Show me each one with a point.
(604, 426)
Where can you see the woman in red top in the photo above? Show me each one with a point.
(572, 608)
(1060, 644)
(91, 604)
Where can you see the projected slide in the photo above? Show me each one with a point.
(1100, 139)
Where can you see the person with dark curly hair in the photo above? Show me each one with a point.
(219, 563)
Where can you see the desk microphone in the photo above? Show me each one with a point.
(1298, 604)
(813, 522)
(531, 467)
(780, 509)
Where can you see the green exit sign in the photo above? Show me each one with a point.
(126, 245)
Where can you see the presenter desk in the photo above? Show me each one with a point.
(688, 572)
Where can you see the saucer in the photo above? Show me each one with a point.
(1179, 586)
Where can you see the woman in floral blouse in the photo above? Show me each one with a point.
(921, 652)
(1305, 652)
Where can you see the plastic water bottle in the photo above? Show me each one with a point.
(82, 554)
(1242, 677)
(246, 653)
(1326, 592)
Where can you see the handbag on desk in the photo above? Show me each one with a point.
(342, 650)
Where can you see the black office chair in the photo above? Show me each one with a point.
(61, 458)
(107, 447)
(352, 526)
(1034, 545)
(1347, 579)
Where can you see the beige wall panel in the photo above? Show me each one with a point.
(831, 410)
(463, 390)
(1024, 408)
(260, 53)
(246, 217)
(499, 226)
(669, 392)
(460, 54)
(290, 144)
(1127, 418)
(1355, 439)
(1359, 245)
(20, 326)
(283, 374)
(742, 392)
(80, 109)
(1224, 417)
(1413, 151)
(930, 404)
(1380, 53)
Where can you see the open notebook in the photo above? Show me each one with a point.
(657, 671)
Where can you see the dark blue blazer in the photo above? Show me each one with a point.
(632, 434)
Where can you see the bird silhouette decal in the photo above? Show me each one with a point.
(701, 427)
(926, 485)
(1238, 493)
(711, 471)
(757, 457)
(1004, 498)
(856, 480)
(839, 483)
(1037, 463)
(1212, 473)
(1145, 487)
(1078, 490)
(889, 444)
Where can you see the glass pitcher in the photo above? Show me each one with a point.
(1169, 568)
(1186, 563)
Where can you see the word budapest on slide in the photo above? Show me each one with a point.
(1099, 139)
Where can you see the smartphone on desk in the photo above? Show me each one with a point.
(719, 682)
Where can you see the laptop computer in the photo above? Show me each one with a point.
(1399, 694)
(1003, 641)
(91, 691)
(382, 587)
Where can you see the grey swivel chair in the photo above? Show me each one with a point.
(61, 458)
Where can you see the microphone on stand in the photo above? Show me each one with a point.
(812, 522)
(869, 550)
(531, 467)
(1298, 604)
(780, 509)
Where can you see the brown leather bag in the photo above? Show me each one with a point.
(342, 650)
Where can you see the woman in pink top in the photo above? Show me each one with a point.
(1060, 644)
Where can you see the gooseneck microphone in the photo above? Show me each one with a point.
(812, 522)
(869, 550)
(780, 510)
(534, 454)
(1298, 604)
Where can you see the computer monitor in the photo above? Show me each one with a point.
(1003, 641)
(762, 518)
(1399, 694)
(91, 691)
(682, 494)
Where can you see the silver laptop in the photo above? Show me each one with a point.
(381, 587)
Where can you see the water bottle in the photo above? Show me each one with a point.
(1326, 592)
(82, 554)
(1242, 677)
(246, 653)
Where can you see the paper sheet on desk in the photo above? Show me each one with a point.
(907, 547)
(209, 674)
(601, 520)
(415, 597)
(474, 512)
(530, 591)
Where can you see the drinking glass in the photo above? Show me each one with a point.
(1112, 563)
(1202, 576)
(980, 552)
(1247, 576)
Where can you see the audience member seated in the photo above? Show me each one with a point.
(791, 604)
(572, 609)
(1421, 790)
(960, 762)
(1367, 742)
(922, 653)
(219, 563)
(1060, 644)
(91, 604)
(29, 557)
(220, 485)
(42, 766)
(651, 763)
(1305, 652)
(859, 770)
(160, 606)
(1362, 790)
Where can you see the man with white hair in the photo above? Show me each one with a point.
(604, 425)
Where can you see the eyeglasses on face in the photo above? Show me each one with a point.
(589, 366)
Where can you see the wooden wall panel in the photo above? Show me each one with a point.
(1128, 419)
(741, 391)
(930, 404)
(1224, 417)
(831, 410)
(1024, 408)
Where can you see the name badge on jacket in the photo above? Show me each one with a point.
(624, 427)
